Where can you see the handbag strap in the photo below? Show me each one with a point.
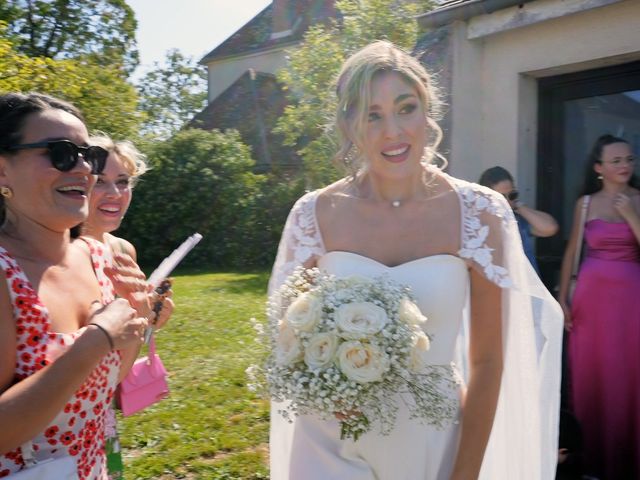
(151, 352)
(583, 218)
(152, 349)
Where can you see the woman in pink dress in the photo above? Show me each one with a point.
(603, 317)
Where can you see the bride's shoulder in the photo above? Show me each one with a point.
(475, 194)
(317, 200)
(337, 188)
(467, 188)
(479, 201)
(329, 195)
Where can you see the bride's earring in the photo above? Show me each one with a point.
(351, 157)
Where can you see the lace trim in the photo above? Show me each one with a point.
(304, 240)
(476, 201)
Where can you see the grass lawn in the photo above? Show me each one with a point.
(210, 426)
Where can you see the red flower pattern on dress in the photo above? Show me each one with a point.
(67, 437)
(78, 430)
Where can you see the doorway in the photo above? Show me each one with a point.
(574, 110)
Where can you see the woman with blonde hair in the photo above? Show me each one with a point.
(455, 244)
(108, 204)
(112, 195)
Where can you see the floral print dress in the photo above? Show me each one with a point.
(79, 429)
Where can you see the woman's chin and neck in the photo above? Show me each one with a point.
(400, 185)
(34, 240)
(612, 188)
(95, 232)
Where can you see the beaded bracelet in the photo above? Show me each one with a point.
(104, 330)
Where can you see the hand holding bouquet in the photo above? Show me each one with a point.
(352, 347)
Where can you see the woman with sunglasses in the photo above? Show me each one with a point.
(531, 222)
(603, 315)
(108, 204)
(61, 332)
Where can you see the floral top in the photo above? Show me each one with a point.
(79, 428)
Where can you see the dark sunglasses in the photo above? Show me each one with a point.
(512, 195)
(64, 154)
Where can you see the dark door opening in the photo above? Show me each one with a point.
(574, 110)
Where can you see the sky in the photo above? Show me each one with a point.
(195, 27)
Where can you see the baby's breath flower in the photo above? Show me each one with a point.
(324, 362)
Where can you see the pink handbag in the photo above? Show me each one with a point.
(145, 384)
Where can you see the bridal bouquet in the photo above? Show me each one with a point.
(352, 348)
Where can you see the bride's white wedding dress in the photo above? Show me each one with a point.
(439, 285)
(523, 443)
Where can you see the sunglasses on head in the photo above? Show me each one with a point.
(512, 195)
(64, 154)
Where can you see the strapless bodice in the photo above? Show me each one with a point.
(439, 284)
(611, 241)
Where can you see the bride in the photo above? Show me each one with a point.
(457, 245)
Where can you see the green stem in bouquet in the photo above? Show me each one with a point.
(354, 426)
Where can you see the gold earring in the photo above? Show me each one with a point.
(351, 156)
(6, 192)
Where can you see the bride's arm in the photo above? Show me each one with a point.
(485, 364)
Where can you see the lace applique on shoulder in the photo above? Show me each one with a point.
(483, 210)
(304, 233)
(301, 239)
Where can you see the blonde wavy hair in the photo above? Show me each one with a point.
(353, 89)
(135, 162)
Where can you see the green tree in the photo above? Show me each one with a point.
(102, 31)
(200, 181)
(171, 94)
(106, 99)
(313, 66)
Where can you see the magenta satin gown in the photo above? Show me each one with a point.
(604, 351)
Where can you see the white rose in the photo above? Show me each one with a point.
(419, 349)
(409, 313)
(360, 319)
(288, 347)
(362, 362)
(304, 313)
(321, 350)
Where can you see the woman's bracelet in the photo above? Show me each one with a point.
(104, 330)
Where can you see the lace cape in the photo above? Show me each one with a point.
(524, 437)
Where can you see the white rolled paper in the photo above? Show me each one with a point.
(166, 267)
